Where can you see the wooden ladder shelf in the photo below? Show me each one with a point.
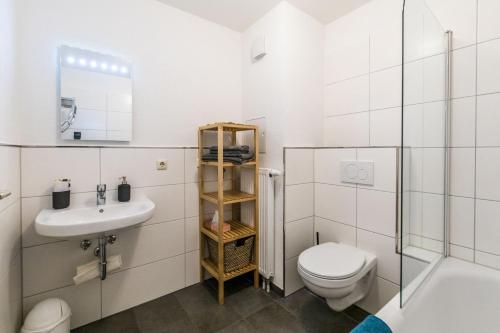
(223, 198)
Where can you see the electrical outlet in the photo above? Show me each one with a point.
(161, 165)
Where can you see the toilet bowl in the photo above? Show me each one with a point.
(49, 316)
(340, 273)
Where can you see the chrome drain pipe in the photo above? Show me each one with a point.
(102, 256)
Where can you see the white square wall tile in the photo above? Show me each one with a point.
(488, 24)
(413, 134)
(52, 266)
(143, 284)
(191, 165)
(298, 237)
(139, 166)
(336, 203)
(487, 180)
(376, 211)
(11, 301)
(433, 216)
(384, 169)
(327, 164)
(347, 131)
(434, 78)
(416, 211)
(464, 72)
(191, 199)
(299, 164)
(488, 119)
(84, 301)
(40, 166)
(414, 82)
(192, 234)
(293, 282)
(433, 170)
(150, 243)
(462, 221)
(330, 231)
(169, 201)
(462, 171)
(434, 124)
(487, 259)
(299, 202)
(463, 253)
(380, 294)
(349, 96)
(349, 58)
(385, 249)
(192, 268)
(463, 122)
(385, 127)
(10, 237)
(487, 226)
(488, 67)
(385, 88)
(386, 36)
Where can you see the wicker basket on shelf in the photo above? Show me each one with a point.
(237, 254)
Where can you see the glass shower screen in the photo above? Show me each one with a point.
(423, 152)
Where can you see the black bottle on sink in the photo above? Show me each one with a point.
(124, 190)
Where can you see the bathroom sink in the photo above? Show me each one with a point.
(93, 220)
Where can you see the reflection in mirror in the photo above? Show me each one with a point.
(95, 96)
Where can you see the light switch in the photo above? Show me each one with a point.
(161, 164)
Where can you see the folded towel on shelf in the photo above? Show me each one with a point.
(241, 149)
(372, 324)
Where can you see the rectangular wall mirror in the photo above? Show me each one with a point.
(95, 96)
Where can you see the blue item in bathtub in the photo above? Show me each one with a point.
(372, 324)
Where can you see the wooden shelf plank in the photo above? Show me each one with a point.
(228, 127)
(228, 164)
(238, 231)
(212, 269)
(230, 197)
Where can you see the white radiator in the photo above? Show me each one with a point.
(266, 218)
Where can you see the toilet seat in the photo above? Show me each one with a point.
(332, 261)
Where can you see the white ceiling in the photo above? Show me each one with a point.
(240, 14)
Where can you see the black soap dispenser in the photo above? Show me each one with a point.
(124, 190)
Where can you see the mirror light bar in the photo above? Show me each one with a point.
(92, 61)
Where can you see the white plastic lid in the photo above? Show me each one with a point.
(332, 261)
(46, 315)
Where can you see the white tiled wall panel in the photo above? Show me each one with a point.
(300, 166)
(299, 236)
(385, 88)
(463, 117)
(336, 203)
(488, 119)
(488, 67)
(376, 211)
(327, 165)
(331, 231)
(299, 202)
(488, 25)
(163, 252)
(464, 72)
(348, 130)
(348, 96)
(385, 127)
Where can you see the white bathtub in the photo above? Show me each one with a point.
(458, 297)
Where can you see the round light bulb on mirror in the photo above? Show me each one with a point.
(104, 66)
(114, 68)
(82, 62)
(93, 64)
(70, 60)
(124, 70)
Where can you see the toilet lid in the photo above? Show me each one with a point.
(332, 261)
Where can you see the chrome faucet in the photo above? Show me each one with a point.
(101, 194)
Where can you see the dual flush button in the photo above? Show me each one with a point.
(357, 172)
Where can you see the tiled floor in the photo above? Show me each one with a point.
(195, 309)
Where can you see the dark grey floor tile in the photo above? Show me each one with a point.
(356, 313)
(162, 315)
(202, 308)
(315, 315)
(275, 319)
(249, 301)
(123, 322)
(239, 327)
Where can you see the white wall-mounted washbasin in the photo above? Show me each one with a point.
(93, 220)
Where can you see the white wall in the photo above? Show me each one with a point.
(285, 88)
(162, 254)
(9, 119)
(187, 71)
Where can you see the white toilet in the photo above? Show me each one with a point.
(340, 273)
(49, 316)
